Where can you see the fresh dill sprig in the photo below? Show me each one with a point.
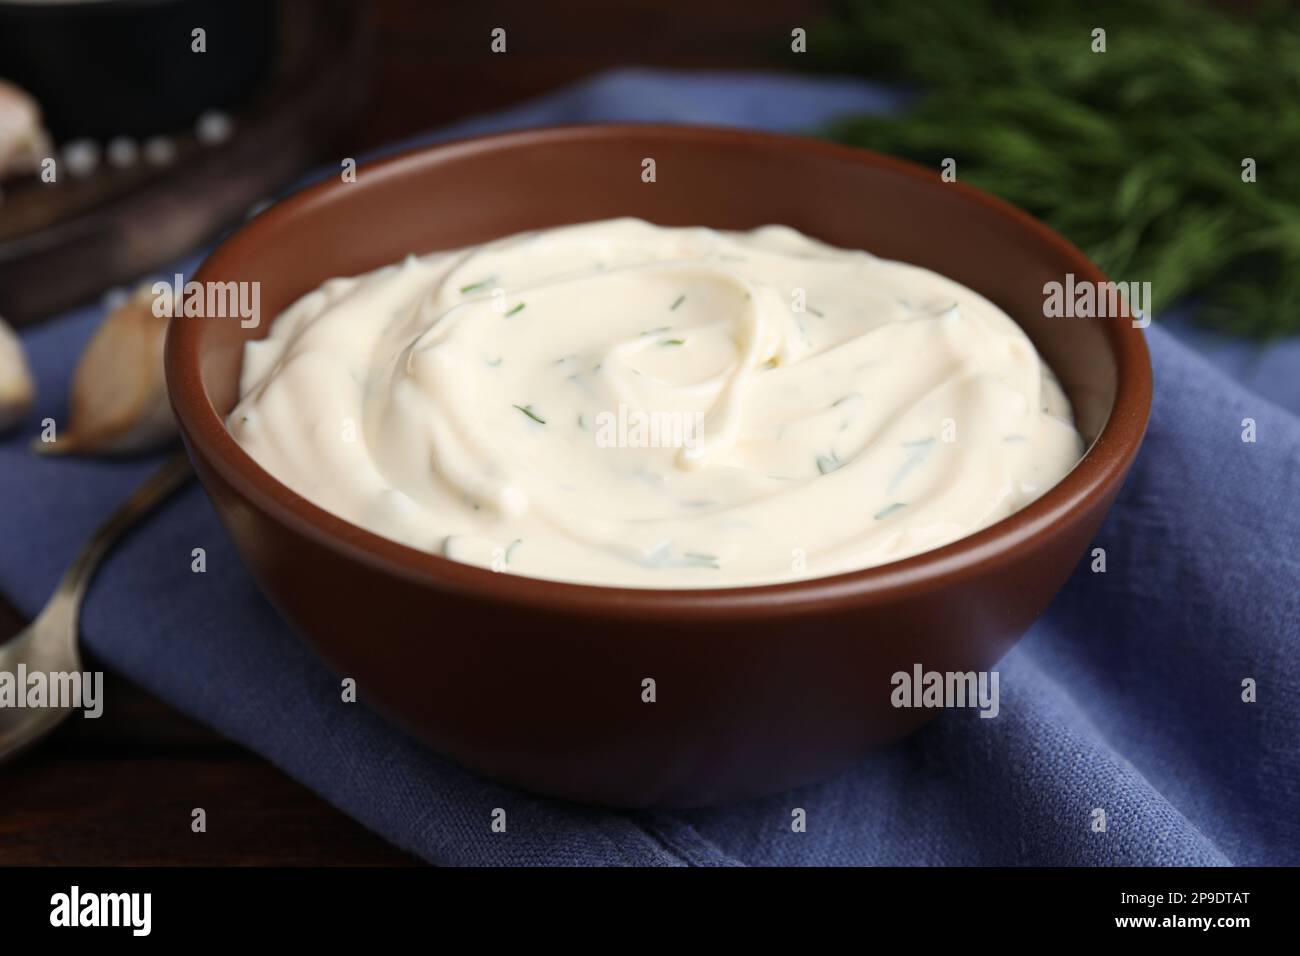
(1135, 154)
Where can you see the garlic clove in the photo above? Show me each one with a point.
(118, 403)
(17, 388)
(23, 140)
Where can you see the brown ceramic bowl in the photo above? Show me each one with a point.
(539, 684)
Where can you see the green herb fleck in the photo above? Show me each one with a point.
(477, 286)
(676, 302)
(516, 310)
(528, 410)
(917, 451)
(828, 463)
(672, 341)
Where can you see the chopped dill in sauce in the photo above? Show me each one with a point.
(655, 468)
(477, 286)
(528, 410)
(917, 452)
(828, 463)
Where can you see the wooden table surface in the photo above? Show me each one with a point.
(119, 790)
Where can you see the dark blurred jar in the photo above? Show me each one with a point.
(101, 68)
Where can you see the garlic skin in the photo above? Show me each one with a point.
(17, 388)
(118, 402)
(23, 140)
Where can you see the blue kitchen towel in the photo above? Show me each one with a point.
(1126, 697)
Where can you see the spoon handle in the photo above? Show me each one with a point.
(174, 472)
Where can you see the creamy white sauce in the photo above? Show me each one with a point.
(618, 403)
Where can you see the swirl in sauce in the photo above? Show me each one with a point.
(618, 403)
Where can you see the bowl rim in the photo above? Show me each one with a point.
(1102, 467)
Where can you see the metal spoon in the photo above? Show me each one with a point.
(49, 643)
